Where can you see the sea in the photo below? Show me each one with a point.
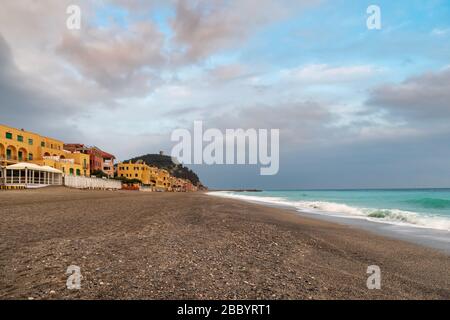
(418, 208)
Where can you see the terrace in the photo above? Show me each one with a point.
(29, 175)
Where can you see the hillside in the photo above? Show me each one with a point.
(165, 162)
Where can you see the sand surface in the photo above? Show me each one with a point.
(132, 245)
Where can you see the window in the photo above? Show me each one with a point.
(30, 142)
(78, 172)
(9, 135)
(43, 144)
(20, 155)
(30, 156)
(20, 138)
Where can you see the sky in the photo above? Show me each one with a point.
(356, 108)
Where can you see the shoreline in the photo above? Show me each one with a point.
(132, 245)
(423, 236)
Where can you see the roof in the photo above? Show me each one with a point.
(75, 145)
(50, 169)
(32, 166)
(92, 149)
(107, 155)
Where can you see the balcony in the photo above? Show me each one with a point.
(59, 159)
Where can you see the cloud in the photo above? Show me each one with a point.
(440, 32)
(140, 6)
(418, 98)
(229, 72)
(24, 104)
(323, 73)
(302, 122)
(117, 59)
(163, 64)
(203, 27)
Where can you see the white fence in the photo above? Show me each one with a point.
(91, 183)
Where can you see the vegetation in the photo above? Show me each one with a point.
(99, 174)
(125, 180)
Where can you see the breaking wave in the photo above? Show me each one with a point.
(394, 216)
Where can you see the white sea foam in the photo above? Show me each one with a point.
(393, 216)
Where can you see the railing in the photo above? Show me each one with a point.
(54, 158)
(22, 180)
(80, 182)
(72, 161)
(36, 178)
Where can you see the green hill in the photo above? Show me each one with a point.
(165, 162)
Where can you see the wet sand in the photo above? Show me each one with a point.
(132, 245)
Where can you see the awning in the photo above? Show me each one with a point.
(50, 169)
(32, 166)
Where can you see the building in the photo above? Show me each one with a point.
(20, 146)
(158, 179)
(108, 164)
(139, 171)
(163, 180)
(28, 159)
(99, 160)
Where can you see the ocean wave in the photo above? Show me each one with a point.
(394, 216)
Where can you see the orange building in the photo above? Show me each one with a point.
(98, 160)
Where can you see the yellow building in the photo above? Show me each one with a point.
(163, 180)
(153, 176)
(24, 146)
(138, 170)
(159, 179)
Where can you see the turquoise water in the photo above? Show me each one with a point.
(419, 207)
